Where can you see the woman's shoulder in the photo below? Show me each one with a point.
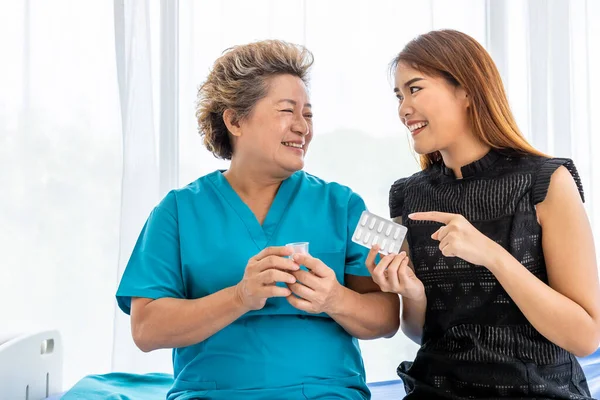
(199, 185)
(322, 186)
(400, 186)
(420, 177)
(188, 193)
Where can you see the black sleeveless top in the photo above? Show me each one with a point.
(476, 342)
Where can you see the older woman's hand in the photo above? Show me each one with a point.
(317, 289)
(262, 273)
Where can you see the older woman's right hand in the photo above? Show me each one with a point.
(394, 275)
(262, 273)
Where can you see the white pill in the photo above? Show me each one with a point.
(358, 234)
(364, 220)
(383, 244)
(397, 233)
(367, 236)
(392, 247)
(389, 230)
(380, 228)
(375, 240)
(372, 224)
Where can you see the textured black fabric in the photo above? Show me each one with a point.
(476, 342)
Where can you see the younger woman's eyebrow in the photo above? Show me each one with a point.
(408, 83)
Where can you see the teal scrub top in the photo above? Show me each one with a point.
(198, 240)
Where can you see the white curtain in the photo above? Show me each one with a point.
(60, 175)
(146, 54)
(140, 182)
(97, 123)
(549, 54)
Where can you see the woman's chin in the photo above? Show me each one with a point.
(423, 148)
(293, 166)
(420, 150)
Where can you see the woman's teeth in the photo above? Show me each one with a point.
(418, 125)
(291, 144)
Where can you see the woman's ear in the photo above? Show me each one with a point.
(232, 122)
(464, 96)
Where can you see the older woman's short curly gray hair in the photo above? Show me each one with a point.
(238, 80)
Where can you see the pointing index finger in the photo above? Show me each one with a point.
(436, 216)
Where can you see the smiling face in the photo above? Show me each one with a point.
(278, 130)
(433, 109)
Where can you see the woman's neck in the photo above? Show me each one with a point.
(460, 154)
(252, 183)
(257, 189)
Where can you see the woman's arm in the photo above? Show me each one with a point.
(568, 311)
(365, 314)
(395, 274)
(413, 318)
(364, 311)
(173, 323)
(413, 310)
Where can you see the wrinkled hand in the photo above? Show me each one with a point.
(319, 288)
(458, 238)
(262, 273)
(394, 275)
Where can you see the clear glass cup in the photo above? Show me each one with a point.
(298, 248)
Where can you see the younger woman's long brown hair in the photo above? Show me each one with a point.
(462, 61)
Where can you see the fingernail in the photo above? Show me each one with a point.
(410, 215)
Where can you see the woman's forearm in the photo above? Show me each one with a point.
(413, 317)
(173, 323)
(555, 316)
(366, 315)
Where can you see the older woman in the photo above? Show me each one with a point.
(211, 276)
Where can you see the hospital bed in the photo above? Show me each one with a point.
(30, 365)
(31, 369)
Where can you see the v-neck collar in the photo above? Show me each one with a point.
(261, 235)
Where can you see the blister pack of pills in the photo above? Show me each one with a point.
(373, 229)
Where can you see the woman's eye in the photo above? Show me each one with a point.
(308, 116)
(290, 111)
(414, 89)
